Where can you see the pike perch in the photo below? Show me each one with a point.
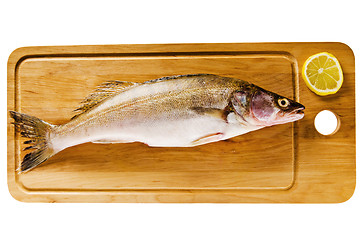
(176, 111)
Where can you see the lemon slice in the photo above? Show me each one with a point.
(323, 74)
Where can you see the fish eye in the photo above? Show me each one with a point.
(283, 102)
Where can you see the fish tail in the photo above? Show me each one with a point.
(38, 132)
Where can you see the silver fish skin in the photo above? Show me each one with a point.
(177, 111)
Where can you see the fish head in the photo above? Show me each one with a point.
(265, 108)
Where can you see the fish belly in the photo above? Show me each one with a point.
(176, 133)
(182, 132)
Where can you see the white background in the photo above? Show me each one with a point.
(35, 23)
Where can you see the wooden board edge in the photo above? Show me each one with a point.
(14, 191)
(159, 48)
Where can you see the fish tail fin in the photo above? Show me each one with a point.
(38, 132)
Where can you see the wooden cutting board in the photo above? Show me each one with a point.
(290, 163)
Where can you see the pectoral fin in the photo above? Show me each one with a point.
(239, 102)
(208, 139)
(213, 112)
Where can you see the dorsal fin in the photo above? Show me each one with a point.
(103, 92)
(177, 76)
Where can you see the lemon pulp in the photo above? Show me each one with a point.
(323, 74)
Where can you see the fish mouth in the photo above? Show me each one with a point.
(296, 108)
(297, 113)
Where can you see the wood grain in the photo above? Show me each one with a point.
(285, 163)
